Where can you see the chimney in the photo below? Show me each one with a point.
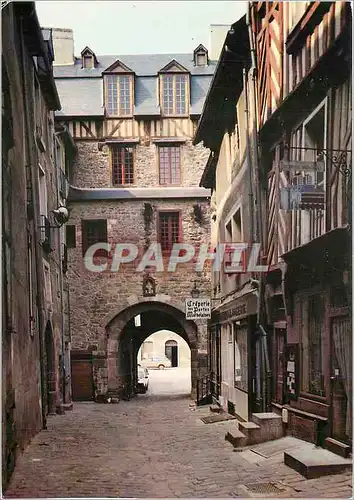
(218, 34)
(63, 43)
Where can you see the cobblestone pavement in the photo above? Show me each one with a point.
(152, 446)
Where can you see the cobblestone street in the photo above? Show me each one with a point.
(152, 446)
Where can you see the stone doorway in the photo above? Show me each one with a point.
(124, 340)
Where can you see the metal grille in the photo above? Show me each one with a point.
(122, 165)
(264, 488)
(220, 417)
(169, 230)
(170, 165)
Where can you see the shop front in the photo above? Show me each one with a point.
(318, 349)
(236, 322)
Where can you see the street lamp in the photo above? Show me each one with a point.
(195, 292)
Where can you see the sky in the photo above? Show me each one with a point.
(139, 27)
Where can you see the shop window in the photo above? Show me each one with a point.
(240, 357)
(312, 338)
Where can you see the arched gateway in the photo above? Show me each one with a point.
(124, 336)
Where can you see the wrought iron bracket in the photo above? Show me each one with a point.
(338, 157)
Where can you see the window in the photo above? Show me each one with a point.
(312, 335)
(122, 159)
(119, 95)
(94, 231)
(169, 229)
(240, 357)
(70, 231)
(174, 94)
(43, 207)
(170, 164)
(47, 284)
(314, 132)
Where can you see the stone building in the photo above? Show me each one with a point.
(35, 157)
(166, 344)
(134, 182)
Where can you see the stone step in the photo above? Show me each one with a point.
(236, 438)
(337, 447)
(311, 461)
(271, 425)
(215, 408)
(252, 431)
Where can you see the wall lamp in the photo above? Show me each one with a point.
(61, 216)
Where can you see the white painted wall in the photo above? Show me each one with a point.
(159, 340)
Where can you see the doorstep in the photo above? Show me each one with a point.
(312, 461)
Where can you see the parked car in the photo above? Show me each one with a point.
(159, 362)
(143, 380)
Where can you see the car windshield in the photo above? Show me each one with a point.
(141, 373)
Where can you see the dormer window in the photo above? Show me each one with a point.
(118, 90)
(88, 58)
(174, 90)
(201, 56)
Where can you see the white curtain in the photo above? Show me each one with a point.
(342, 338)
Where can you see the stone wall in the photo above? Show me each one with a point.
(96, 296)
(93, 170)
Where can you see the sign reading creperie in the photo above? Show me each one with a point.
(198, 309)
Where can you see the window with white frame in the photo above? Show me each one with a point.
(119, 95)
(314, 139)
(174, 94)
(240, 356)
(43, 200)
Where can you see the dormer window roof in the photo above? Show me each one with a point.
(200, 56)
(88, 58)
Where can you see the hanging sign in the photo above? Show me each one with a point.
(198, 308)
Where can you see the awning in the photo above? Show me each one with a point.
(239, 305)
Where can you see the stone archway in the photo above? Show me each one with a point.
(124, 340)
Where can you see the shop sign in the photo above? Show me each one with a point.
(198, 309)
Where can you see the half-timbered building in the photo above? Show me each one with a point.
(304, 118)
(135, 182)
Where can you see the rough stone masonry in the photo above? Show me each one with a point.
(96, 298)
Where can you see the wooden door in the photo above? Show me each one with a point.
(82, 380)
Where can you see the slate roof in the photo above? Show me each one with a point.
(142, 65)
(81, 90)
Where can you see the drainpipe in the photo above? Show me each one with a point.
(37, 253)
(249, 159)
(266, 375)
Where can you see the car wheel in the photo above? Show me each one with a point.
(161, 367)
